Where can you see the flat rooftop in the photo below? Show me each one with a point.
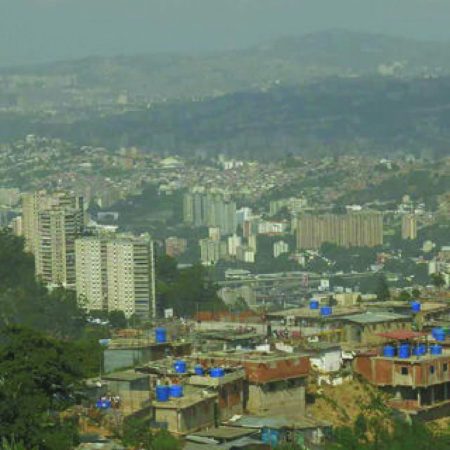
(278, 422)
(375, 317)
(308, 313)
(225, 433)
(416, 359)
(126, 375)
(191, 396)
(252, 356)
(208, 381)
(426, 306)
(222, 335)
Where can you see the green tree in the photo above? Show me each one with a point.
(438, 280)
(404, 296)
(39, 376)
(117, 319)
(186, 290)
(382, 289)
(163, 440)
(136, 432)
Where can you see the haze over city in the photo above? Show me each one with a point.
(224, 224)
(49, 30)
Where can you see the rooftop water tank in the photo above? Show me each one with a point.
(314, 304)
(436, 349)
(176, 391)
(160, 335)
(416, 306)
(162, 393)
(199, 370)
(438, 334)
(103, 404)
(180, 366)
(217, 372)
(420, 350)
(326, 311)
(404, 351)
(389, 351)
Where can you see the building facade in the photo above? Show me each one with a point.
(116, 274)
(346, 230)
(409, 227)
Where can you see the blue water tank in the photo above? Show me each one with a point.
(416, 306)
(436, 349)
(389, 351)
(270, 437)
(176, 391)
(160, 335)
(162, 393)
(326, 311)
(404, 351)
(180, 366)
(199, 370)
(438, 334)
(217, 372)
(103, 404)
(420, 350)
(314, 304)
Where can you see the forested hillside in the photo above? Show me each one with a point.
(370, 115)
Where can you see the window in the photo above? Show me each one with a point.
(445, 367)
(431, 369)
(404, 371)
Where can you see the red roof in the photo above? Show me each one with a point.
(402, 335)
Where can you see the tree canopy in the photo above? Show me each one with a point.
(185, 290)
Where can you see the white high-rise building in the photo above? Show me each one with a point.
(91, 284)
(50, 224)
(55, 245)
(409, 227)
(122, 276)
(233, 243)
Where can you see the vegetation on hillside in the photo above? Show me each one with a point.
(187, 291)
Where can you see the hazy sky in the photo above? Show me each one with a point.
(45, 30)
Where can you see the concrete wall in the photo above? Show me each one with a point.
(219, 325)
(120, 358)
(188, 420)
(368, 334)
(277, 397)
(385, 371)
(327, 360)
(231, 399)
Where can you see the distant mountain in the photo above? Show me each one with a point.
(286, 61)
(374, 115)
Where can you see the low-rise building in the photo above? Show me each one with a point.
(192, 412)
(417, 384)
(275, 381)
(229, 389)
(364, 328)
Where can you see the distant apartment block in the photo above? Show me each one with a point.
(116, 274)
(50, 224)
(210, 251)
(347, 230)
(211, 210)
(409, 227)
